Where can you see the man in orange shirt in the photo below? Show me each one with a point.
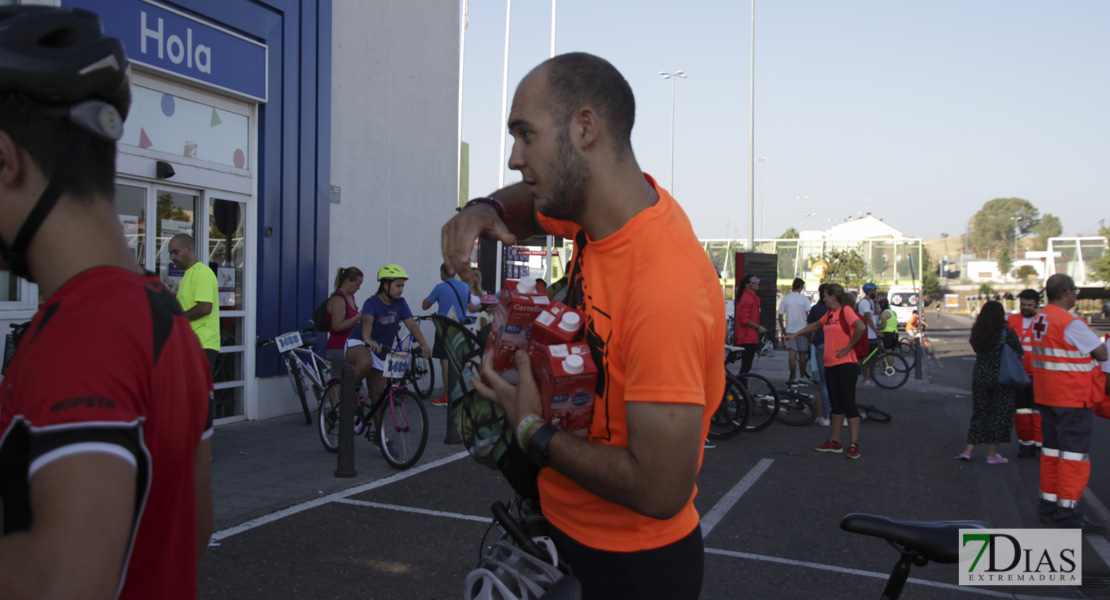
(1027, 417)
(1064, 385)
(620, 500)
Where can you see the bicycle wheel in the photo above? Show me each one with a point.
(733, 412)
(404, 431)
(797, 408)
(297, 378)
(889, 371)
(766, 401)
(906, 350)
(328, 418)
(422, 373)
(873, 414)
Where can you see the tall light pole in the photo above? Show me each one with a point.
(751, 145)
(761, 159)
(673, 77)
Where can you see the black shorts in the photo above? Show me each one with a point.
(671, 572)
(439, 348)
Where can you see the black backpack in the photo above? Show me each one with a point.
(320, 319)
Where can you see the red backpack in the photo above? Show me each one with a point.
(863, 346)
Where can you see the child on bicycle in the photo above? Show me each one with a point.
(382, 315)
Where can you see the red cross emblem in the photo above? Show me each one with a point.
(1040, 326)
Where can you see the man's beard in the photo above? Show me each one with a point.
(1029, 314)
(567, 198)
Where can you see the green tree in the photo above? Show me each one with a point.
(1024, 272)
(1102, 264)
(985, 288)
(846, 267)
(993, 227)
(930, 282)
(879, 262)
(1048, 227)
(789, 234)
(1005, 262)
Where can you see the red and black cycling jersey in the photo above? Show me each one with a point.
(110, 365)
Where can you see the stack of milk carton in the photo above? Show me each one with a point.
(551, 333)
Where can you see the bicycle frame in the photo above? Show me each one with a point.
(314, 367)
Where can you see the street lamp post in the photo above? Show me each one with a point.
(803, 199)
(673, 77)
(759, 160)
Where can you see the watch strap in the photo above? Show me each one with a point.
(539, 442)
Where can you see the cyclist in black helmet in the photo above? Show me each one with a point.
(104, 480)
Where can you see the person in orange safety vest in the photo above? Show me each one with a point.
(1064, 388)
(1027, 418)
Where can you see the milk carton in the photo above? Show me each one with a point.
(557, 324)
(566, 376)
(512, 327)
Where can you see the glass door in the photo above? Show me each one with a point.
(227, 254)
(223, 247)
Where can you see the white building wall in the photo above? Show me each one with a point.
(394, 137)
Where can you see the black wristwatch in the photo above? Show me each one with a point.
(538, 444)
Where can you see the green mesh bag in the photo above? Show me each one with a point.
(481, 423)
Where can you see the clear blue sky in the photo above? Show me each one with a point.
(918, 112)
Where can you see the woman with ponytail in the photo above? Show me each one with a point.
(343, 314)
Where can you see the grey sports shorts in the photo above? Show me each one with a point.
(800, 343)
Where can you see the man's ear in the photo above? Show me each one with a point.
(11, 162)
(588, 125)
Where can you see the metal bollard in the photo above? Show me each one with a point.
(918, 358)
(345, 464)
(452, 435)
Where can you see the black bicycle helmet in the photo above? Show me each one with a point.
(60, 58)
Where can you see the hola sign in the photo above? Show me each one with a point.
(179, 44)
(819, 269)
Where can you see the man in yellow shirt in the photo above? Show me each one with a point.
(198, 295)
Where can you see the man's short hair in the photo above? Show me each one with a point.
(799, 283)
(577, 79)
(1029, 294)
(1057, 286)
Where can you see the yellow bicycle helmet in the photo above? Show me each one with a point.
(392, 272)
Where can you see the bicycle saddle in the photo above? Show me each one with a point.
(937, 541)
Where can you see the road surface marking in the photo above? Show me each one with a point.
(725, 504)
(411, 509)
(292, 510)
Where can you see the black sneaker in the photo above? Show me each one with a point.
(709, 444)
(1029, 451)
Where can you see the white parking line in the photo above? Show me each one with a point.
(725, 504)
(292, 510)
(418, 511)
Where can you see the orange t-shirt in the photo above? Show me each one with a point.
(835, 338)
(655, 323)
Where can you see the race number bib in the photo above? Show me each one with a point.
(397, 364)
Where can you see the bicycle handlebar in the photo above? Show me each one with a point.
(501, 515)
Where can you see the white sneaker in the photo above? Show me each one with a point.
(824, 421)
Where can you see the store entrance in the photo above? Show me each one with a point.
(153, 212)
